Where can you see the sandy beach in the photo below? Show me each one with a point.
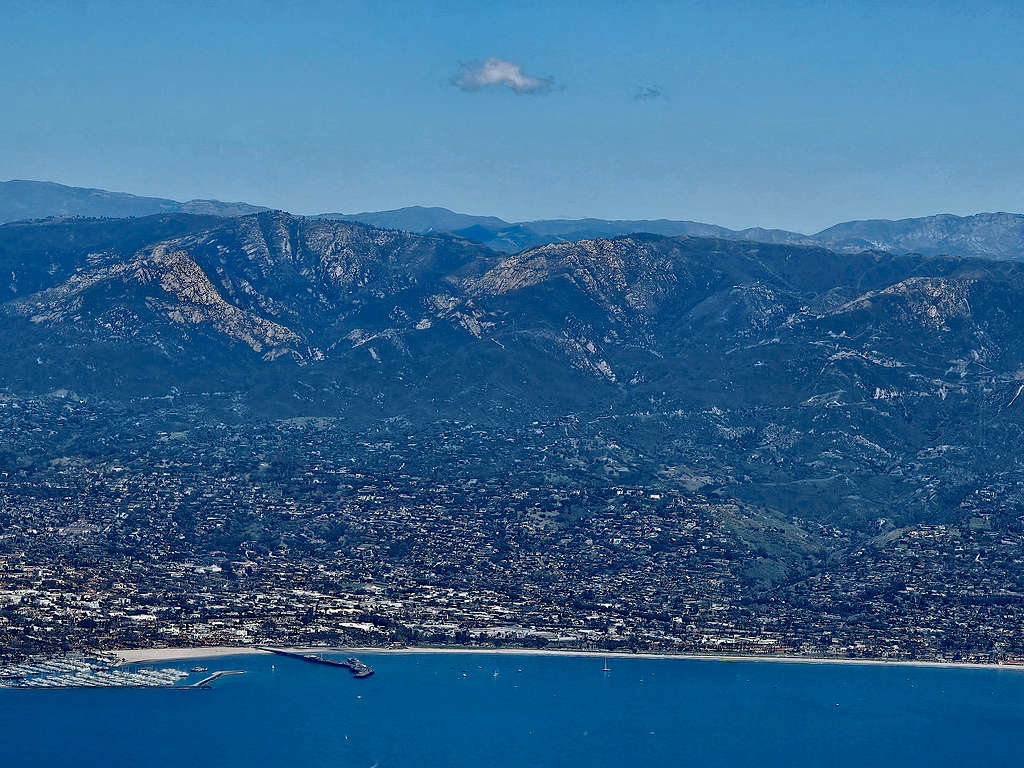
(148, 655)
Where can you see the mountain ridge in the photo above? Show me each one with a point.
(342, 297)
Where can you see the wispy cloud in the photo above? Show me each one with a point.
(477, 75)
(648, 93)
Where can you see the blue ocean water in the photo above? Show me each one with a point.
(492, 711)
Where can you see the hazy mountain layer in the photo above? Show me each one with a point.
(996, 235)
(26, 200)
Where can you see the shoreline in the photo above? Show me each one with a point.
(150, 655)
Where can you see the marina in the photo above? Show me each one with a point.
(103, 670)
(98, 671)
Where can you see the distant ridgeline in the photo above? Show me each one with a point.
(995, 235)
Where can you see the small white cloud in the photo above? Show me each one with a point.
(476, 75)
(648, 93)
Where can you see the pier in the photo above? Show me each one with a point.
(358, 668)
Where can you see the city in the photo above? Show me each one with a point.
(300, 532)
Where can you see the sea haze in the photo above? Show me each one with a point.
(479, 709)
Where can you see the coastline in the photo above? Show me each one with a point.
(150, 655)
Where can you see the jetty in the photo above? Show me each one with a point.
(358, 668)
(205, 682)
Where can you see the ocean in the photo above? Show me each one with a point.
(504, 711)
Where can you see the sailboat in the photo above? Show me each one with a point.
(606, 668)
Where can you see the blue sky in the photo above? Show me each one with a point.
(793, 115)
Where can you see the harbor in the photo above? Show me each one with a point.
(106, 670)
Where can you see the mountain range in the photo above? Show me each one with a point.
(634, 314)
(822, 408)
(994, 235)
(853, 372)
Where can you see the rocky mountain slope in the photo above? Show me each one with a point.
(625, 317)
(322, 316)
